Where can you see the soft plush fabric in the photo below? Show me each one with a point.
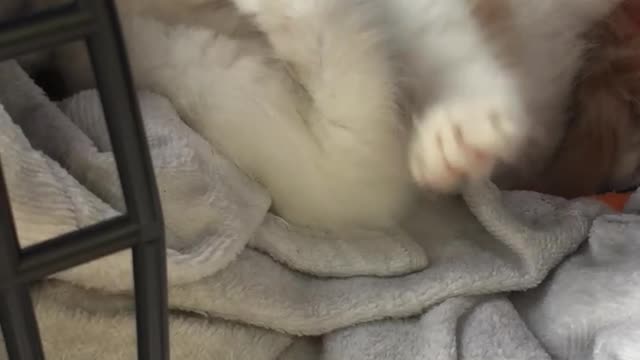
(590, 307)
(244, 284)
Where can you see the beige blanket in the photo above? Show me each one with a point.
(244, 284)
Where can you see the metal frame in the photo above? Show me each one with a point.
(141, 228)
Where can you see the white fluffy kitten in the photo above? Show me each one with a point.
(321, 112)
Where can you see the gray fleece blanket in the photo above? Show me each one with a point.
(245, 284)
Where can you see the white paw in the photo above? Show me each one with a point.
(462, 141)
(249, 6)
(290, 8)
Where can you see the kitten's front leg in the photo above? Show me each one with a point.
(462, 140)
(474, 117)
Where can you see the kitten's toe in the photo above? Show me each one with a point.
(463, 141)
(290, 8)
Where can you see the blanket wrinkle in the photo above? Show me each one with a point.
(244, 284)
(592, 296)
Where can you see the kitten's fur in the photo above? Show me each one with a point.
(323, 116)
(601, 148)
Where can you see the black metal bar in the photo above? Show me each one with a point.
(43, 31)
(19, 325)
(17, 317)
(128, 140)
(149, 260)
(90, 243)
(120, 105)
(96, 22)
(10, 248)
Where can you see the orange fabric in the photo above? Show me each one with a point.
(615, 201)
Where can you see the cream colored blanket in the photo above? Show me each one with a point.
(244, 284)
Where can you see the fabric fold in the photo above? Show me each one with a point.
(244, 284)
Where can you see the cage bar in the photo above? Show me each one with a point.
(141, 228)
(17, 317)
(49, 257)
(128, 140)
(44, 31)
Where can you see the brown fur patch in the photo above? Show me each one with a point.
(495, 19)
(605, 127)
(489, 12)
